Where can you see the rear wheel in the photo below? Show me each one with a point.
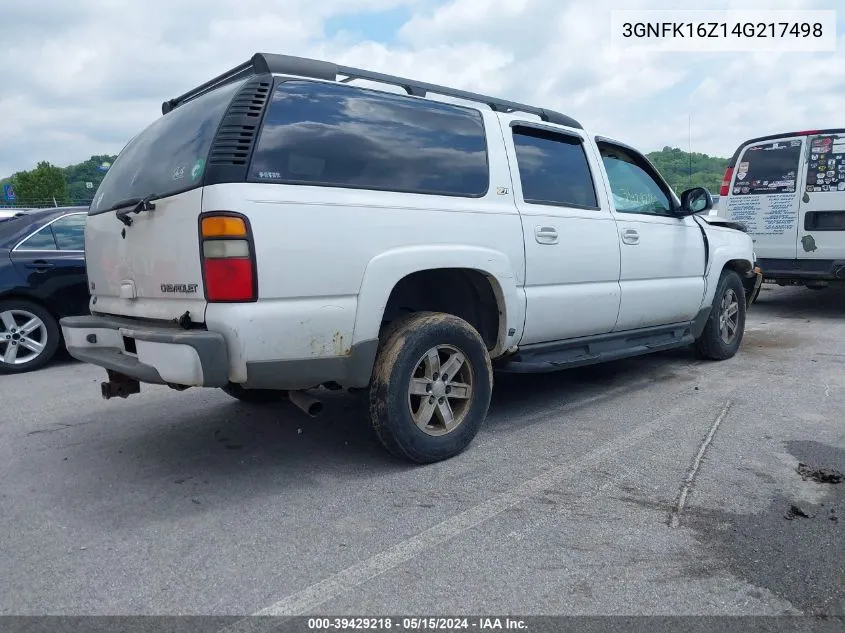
(725, 327)
(253, 396)
(431, 387)
(29, 336)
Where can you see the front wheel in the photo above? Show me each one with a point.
(725, 327)
(29, 336)
(431, 387)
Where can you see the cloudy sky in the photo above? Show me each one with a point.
(82, 77)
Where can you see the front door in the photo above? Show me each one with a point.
(821, 224)
(663, 255)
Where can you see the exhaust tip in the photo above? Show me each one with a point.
(307, 403)
(315, 409)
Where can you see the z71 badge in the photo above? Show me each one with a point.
(179, 288)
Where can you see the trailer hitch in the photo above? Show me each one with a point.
(119, 386)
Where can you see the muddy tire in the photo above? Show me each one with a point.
(725, 327)
(253, 396)
(431, 387)
(29, 336)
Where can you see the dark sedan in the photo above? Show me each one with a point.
(42, 279)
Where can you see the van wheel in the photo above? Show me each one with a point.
(253, 396)
(725, 327)
(29, 336)
(431, 387)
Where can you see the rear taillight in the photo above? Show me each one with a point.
(228, 259)
(726, 182)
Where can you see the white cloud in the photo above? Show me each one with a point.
(82, 77)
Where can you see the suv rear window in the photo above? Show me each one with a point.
(767, 168)
(345, 136)
(169, 156)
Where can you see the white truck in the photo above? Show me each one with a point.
(277, 230)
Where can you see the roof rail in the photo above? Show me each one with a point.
(264, 63)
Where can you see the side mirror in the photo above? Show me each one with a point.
(695, 200)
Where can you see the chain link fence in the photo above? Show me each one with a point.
(44, 204)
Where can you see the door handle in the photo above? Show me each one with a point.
(630, 236)
(545, 234)
(39, 265)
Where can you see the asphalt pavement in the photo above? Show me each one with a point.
(662, 485)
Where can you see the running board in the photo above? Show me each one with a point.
(590, 350)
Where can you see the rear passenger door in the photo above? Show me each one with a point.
(821, 232)
(52, 263)
(662, 254)
(571, 243)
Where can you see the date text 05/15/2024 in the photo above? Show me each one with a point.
(418, 624)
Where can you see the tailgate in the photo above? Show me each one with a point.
(150, 269)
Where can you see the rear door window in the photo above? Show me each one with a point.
(169, 156)
(69, 232)
(553, 169)
(42, 240)
(342, 136)
(766, 168)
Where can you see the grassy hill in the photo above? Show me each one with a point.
(674, 164)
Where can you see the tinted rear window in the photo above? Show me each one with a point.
(169, 156)
(766, 168)
(553, 169)
(342, 136)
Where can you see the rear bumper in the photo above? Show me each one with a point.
(803, 269)
(157, 355)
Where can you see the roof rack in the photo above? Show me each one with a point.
(264, 63)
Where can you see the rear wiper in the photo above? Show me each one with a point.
(141, 204)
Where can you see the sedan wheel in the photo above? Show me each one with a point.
(29, 336)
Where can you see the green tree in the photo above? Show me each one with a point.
(78, 176)
(40, 185)
(683, 170)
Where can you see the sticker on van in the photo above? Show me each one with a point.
(825, 168)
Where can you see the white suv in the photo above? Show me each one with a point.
(279, 229)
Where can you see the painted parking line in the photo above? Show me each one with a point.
(303, 601)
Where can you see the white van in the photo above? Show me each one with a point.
(788, 190)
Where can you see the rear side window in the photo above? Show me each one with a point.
(169, 156)
(553, 169)
(40, 241)
(341, 136)
(69, 232)
(767, 168)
